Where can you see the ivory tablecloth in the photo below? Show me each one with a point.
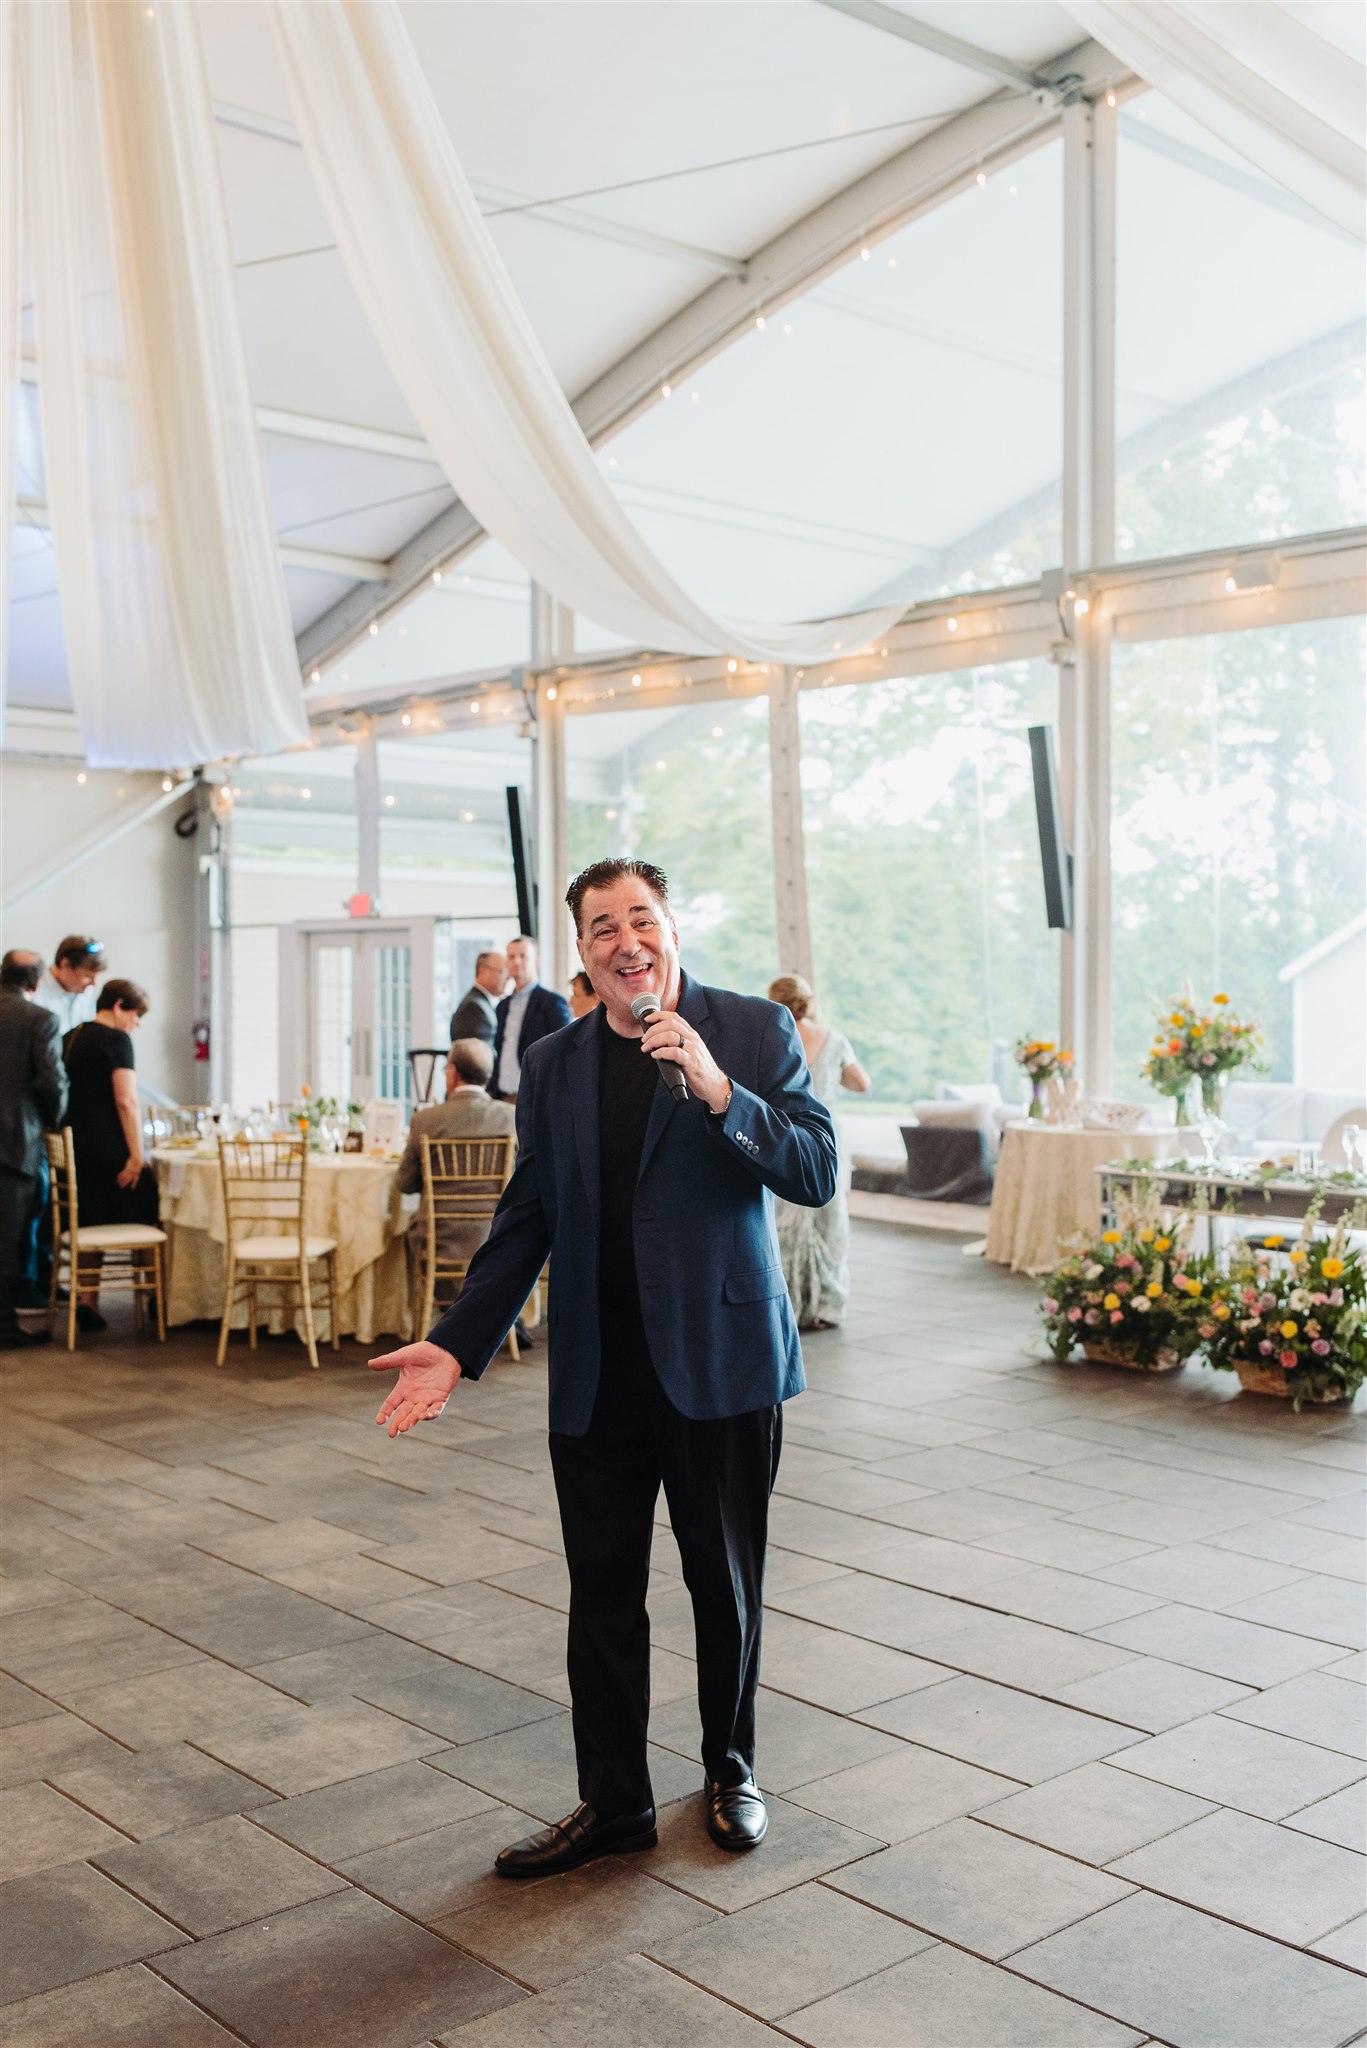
(350, 1198)
(1046, 1186)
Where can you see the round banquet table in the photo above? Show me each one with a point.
(1047, 1186)
(352, 1197)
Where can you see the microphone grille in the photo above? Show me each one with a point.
(643, 1007)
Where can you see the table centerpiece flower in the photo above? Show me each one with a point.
(1040, 1059)
(1292, 1321)
(1130, 1296)
(1194, 1048)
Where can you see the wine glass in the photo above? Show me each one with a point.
(1354, 1142)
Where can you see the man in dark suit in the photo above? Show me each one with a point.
(672, 1342)
(33, 1090)
(475, 1015)
(528, 1013)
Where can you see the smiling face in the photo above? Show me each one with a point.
(629, 945)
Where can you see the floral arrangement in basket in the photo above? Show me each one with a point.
(1132, 1296)
(1040, 1059)
(1192, 1046)
(1292, 1321)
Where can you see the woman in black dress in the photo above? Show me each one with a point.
(114, 1183)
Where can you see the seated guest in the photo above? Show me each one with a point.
(583, 995)
(529, 1013)
(468, 1112)
(475, 1015)
(114, 1183)
(67, 987)
(814, 1243)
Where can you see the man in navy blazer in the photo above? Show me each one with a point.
(528, 1012)
(672, 1341)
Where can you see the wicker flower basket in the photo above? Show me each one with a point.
(1257, 1377)
(1100, 1352)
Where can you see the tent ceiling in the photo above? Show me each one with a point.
(679, 139)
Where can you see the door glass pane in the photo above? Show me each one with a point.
(393, 1021)
(1238, 845)
(929, 937)
(332, 1023)
(689, 790)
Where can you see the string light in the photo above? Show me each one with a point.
(787, 329)
(661, 766)
(406, 719)
(317, 676)
(666, 391)
(759, 322)
(716, 732)
(1110, 99)
(227, 794)
(611, 817)
(467, 817)
(374, 630)
(636, 682)
(1230, 585)
(864, 255)
(475, 707)
(731, 667)
(436, 575)
(389, 803)
(167, 785)
(306, 794)
(552, 694)
(981, 179)
(951, 625)
(81, 776)
(1081, 608)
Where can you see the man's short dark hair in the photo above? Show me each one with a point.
(21, 970)
(473, 1060)
(77, 951)
(604, 873)
(125, 995)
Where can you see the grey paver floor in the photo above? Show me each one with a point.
(1061, 1720)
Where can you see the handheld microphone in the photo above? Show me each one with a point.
(643, 1008)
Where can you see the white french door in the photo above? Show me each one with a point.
(349, 994)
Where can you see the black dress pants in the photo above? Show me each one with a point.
(717, 1478)
(16, 1207)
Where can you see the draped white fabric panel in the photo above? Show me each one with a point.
(1261, 77)
(9, 317)
(463, 351)
(179, 645)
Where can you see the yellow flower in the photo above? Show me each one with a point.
(1331, 1268)
(1288, 1329)
(1176, 1018)
(1298, 1255)
(1222, 1313)
(1146, 1235)
(1219, 999)
(1111, 1301)
(1162, 1244)
(1273, 1244)
(1193, 1288)
(1153, 1290)
(1110, 1237)
(1197, 1029)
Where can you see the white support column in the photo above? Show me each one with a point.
(368, 815)
(790, 863)
(1088, 539)
(552, 642)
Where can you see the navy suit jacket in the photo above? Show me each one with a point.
(545, 1012)
(713, 1299)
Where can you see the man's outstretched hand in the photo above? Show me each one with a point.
(427, 1378)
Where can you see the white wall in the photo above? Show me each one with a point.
(1330, 1020)
(137, 895)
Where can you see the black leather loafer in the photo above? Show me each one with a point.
(577, 1839)
(736, 1815)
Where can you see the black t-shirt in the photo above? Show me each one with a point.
(94, 1053)
(627, 1084)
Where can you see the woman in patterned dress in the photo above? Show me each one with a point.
(814, 1243)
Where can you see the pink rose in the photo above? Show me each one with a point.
(1208, 1060)
(1288, 1358)
(1122, 1287)
(1126, 1260)
(1075, 1315)
(1093, 1315)
(1336, 1298)
(1320, 1347)
(1050, 1307)
(1251, 1296)
(1266, 1302)
(1117, 1315)
(1207, 1329)
(1266, 1348)
(1319, 1300)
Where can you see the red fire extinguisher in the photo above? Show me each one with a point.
(200, 1036)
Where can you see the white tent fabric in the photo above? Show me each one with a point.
(10, 203)
(1261, 77)
(178, 636)
(463, 351)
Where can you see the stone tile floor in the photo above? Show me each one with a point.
(1063, 1717)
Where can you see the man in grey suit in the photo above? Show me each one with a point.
(468, 1112)
(475, 1015)
(32, 1099)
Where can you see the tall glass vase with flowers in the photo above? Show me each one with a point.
(1039, 1060)
(1193, 1054)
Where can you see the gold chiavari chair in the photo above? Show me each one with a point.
(127, 1258)
(265, 1191)
(462, 1179)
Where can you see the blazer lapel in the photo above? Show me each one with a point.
(692, 1007)
(584, 1103)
